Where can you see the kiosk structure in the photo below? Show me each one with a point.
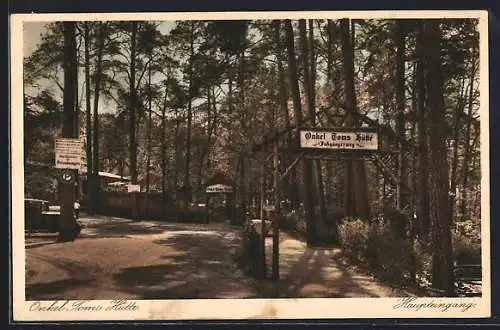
(220, 198)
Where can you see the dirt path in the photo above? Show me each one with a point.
(116, 258)
(321, 273)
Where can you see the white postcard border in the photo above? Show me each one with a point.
(424, 307)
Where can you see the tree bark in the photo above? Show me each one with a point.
(331, 83)
(68, 227)
(88, 117)
(459, 108)
(150, 126)
(241, 85)
(442, 261)
(132, 104)
(132, 119)
(187, 179)
(163, 152)
(357, 185)
(468, 146)
(399, 37)
(290, 186)
(95, 183)
(306, 165)
(309, 82)
(423, 212)
(176, 150)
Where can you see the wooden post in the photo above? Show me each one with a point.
(263, 223)
(67, 230)
(135, 210)
(276, 236)
(243, 206)
(207, 207)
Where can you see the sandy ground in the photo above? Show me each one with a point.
(116, 258)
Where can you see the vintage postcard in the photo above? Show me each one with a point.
(250, 165)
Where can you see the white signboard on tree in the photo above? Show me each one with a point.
(133, 188)
(269, 207)
(339, 140)
(69, 153)
(219, 188)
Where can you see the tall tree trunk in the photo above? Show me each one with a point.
(133, 105)
(318, 166)
(331, 83)
(306, 165)
(412, 170)
(291, 187)
(132, 119)
(187, 179)
(241, 86)
(88, 117)
(309, 82)
(312, 57)
(68, 226)
(204, 149)
(423, 213)
(211, 122)
(95, 184)
(176, 150)
(329, 49)
(357, 185)
(399, 37)
(459, 108)
(442, 261)
(468, 146)
(229, 84)
(164, 151)
(150, 126)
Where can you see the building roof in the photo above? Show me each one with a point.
(109, 175)
(219, 178)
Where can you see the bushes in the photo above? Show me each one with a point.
(380, 247)
(466, 250)
(249, 253)
(354, 235)
(294, 222)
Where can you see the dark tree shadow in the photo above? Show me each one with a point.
(113, 227)
(205, 269)
(53, 290)
(79, 275)
(311, 271)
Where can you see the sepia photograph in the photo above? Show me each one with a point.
(272, 165)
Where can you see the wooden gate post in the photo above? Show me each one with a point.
(276, 236)
(263, 223)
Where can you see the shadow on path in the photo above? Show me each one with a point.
(53, 290)
(188, 261)
(316, 273)
(79, 275)
(203, 269)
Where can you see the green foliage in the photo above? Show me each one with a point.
(294, 222)
(381, 248)
(229, 36)
(354, 234)
(466, 250)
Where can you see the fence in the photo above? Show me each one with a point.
(150, 206)
(120, 204)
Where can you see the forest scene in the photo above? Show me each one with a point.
(174, 106)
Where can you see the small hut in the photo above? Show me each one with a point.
(220, 198)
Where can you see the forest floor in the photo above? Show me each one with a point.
(116, 258)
